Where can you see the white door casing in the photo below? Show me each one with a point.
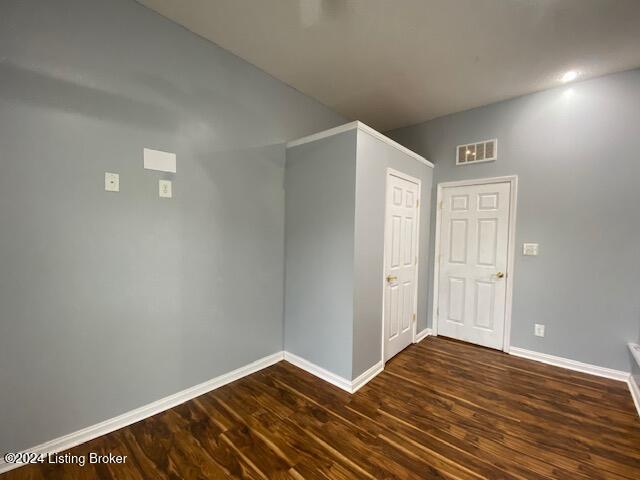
(400, 262)
(474, 258)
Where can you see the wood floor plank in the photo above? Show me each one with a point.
(441, 409)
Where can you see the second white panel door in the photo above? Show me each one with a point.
(474, 243)
(401, 249)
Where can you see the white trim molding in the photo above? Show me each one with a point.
(634, 348)
(513, 180)
(635, 392)
(89, 433)
(319, 372)
(363, 128)
(324, 134)
(634, 388)
(423, 334)
(570, 364)
(350, 386)
(366, 376)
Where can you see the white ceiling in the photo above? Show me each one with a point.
(391, 63)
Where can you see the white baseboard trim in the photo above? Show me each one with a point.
(81, 436)
(635, 392)
(570, 364)
(334, 379)
(423, 334)
(366, 376)
(319, 372)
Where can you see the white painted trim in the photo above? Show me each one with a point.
(324, 134)
(396, 173)
(423, 334)
(363, 128)
(319, 372)
(634, 348)
(634, 388)
(635, 392)
(89, 433)
(570, 364)
(366, 376)
(513, 210)
(334, 379)
(367, 129)
(513, 180)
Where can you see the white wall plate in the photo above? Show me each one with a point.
(165, 189)
(111, 182)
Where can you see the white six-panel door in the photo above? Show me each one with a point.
(401, 258)
(474, 241)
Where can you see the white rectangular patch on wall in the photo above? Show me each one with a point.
(478, 152)
(160, 161)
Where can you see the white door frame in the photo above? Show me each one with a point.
(417, 181)
(513, 206)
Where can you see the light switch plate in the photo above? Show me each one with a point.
(530, 249)
(111, 182)
(539, 330)
(165, 189)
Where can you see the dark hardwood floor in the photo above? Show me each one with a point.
(441, 409)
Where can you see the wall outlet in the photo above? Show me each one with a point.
(111, 182)
(539, 330)
(165, 189)
(530, 249)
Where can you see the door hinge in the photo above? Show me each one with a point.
(440, 205)
(414, 317)
(417, 203)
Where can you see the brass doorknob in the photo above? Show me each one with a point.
(391, 278)
(500, 275)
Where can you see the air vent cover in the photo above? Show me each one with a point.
(485, 151)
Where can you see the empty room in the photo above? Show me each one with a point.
(320, 239)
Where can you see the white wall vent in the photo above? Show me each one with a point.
(485, 151)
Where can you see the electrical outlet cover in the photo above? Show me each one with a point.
(165, 189)
(111, 182)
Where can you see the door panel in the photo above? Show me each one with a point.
(487, 242)
(474, 247)
(484, 304)
(458, 241)
(401, 240)
(456, 299)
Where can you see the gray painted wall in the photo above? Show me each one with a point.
(374, 157)
(576, 152)
(320, 207)
(111, 301)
